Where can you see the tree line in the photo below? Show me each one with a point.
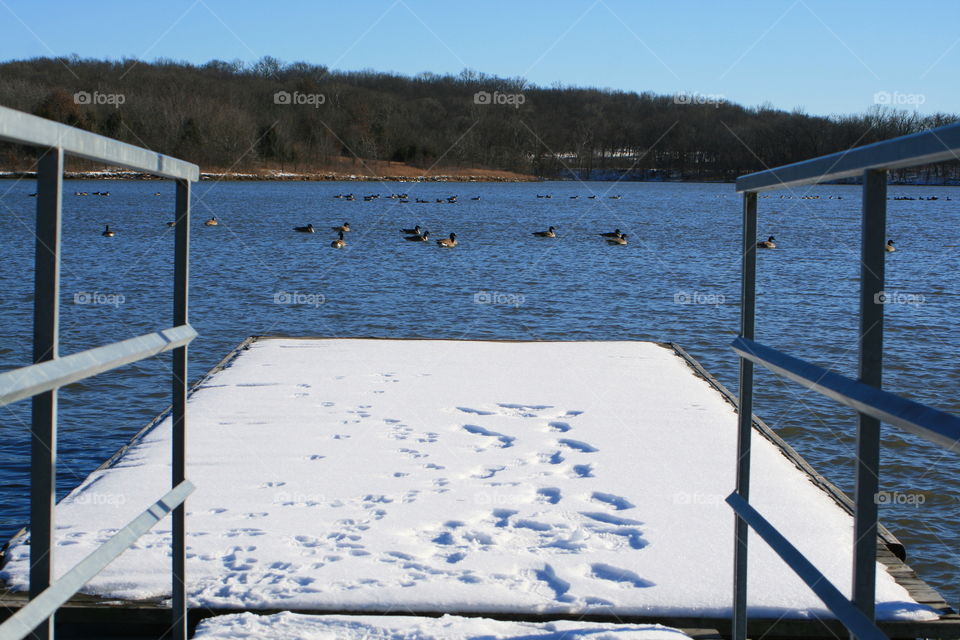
(304, 117)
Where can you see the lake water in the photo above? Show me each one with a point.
(677, 280)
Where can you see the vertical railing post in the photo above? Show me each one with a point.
(46, 332)
(748, 302)
(872, 256)
(181, 277)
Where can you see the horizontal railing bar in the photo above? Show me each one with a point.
(46, 604)
(852, 618)
(23, 128)
(932, 424)
(933, 145)
(45, 376)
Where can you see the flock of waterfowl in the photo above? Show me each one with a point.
(413, 235)
(771, 243)
(419, 234)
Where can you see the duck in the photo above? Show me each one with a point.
(448, 242)
(415, 231)
(338, 243)
(549, 233)
(612, 234)
(172, 223)
(107, 233)
(769, 243)
(344, 227)
(477, 198)
(212, 222)
(423, 237)
(306, 229)
(889, 246)
(621, 240)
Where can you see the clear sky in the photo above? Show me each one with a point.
(822, 56)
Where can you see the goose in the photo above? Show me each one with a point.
(448, 242)
(769, 243)
(477, 198)
(549, 233)
(612, 234)
(344, 227)
(889, 246)
(107, 233)
(172, 223)
(621, 240)
(423, 237)
(338, 243)
(212, 222)
(306, 229)
(415, 231)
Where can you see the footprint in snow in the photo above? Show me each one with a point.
(549, 494)
(559, 587)
(619, 503)
(505, 440)
(479, 412)
(583, 470)
(616, 574)
(578, 445)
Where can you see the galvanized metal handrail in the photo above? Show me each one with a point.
(851, 617)
(926, 147)
(23, 128)
(36, 378)
(937, 426)
(41, 380)
(871, 162)
(38, 609)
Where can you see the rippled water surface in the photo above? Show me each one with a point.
(677, 280)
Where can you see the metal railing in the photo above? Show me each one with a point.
(41, 380)
(863, 394)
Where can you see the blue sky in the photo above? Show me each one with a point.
(823, 57)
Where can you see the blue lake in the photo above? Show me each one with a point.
(677, 280)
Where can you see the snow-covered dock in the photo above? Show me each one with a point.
(541, 480)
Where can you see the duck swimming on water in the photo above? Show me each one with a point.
(448, 242)
(307, 229)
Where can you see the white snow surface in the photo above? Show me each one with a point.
(292, 626)
(362, 475)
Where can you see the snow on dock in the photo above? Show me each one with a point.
(291, 626)
(410, 476)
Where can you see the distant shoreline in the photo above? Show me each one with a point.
(288, 176)
(485, 175)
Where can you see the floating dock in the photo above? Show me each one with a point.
(524, 481)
